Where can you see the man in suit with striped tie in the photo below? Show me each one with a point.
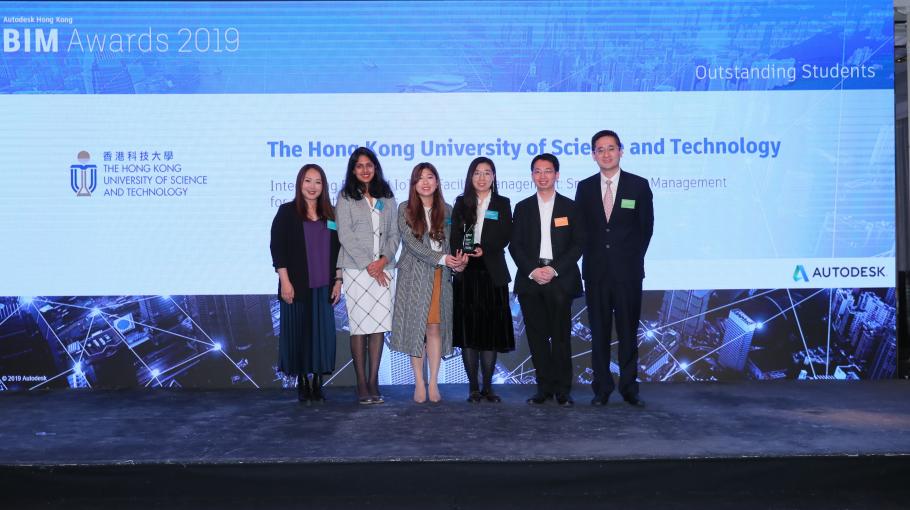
(618, 219)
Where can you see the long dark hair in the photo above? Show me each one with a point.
(469, 196)
(415, 215)
(353, 188)
(323, 206)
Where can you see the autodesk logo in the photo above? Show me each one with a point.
(827, 272)
(800, 274)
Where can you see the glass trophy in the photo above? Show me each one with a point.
(467, 246)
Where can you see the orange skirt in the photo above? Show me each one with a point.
(433, 317)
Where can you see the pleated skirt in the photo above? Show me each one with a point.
(306, 342)
(482, 317)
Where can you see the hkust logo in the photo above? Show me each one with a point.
(84, 176)
(800, 274)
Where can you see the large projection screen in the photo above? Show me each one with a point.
(145, 148)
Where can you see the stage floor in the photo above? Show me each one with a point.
(769, 419)
(751, 445)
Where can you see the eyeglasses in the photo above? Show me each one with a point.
(600, 151)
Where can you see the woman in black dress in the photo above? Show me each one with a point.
(482, 219)
(304, 247)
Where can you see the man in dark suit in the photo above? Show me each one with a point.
(618, 219)
(547, 241)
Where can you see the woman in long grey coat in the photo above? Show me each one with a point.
(422, 322)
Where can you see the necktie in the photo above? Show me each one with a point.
(608, 199)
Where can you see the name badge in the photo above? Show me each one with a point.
(332, 225)
(491, 215)
(380, 205)
(627, 204)
(562, 221)
(448, 220)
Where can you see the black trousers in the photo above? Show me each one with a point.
(605, 301)
(548, 323)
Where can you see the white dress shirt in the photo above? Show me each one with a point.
(435, 245)
(482, 207)
(546, 216)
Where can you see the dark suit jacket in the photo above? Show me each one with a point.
(616, 251)
(288, 248)
(495, 237)
(568, 242)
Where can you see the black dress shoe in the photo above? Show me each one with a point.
(539, 398)
(564, 400)
(490, 396)
(634, 401)
(475, 397)
(600, 400)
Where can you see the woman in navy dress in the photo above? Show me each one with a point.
(304, 246)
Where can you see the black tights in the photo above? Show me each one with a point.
(487, 361)
(367, 387)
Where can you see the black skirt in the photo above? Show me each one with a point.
(482, 317)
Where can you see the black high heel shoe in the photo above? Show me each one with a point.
(303, 389)
(475, 397)
(317, 395)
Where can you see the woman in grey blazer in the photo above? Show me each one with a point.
(422, 322)
(368, 232)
